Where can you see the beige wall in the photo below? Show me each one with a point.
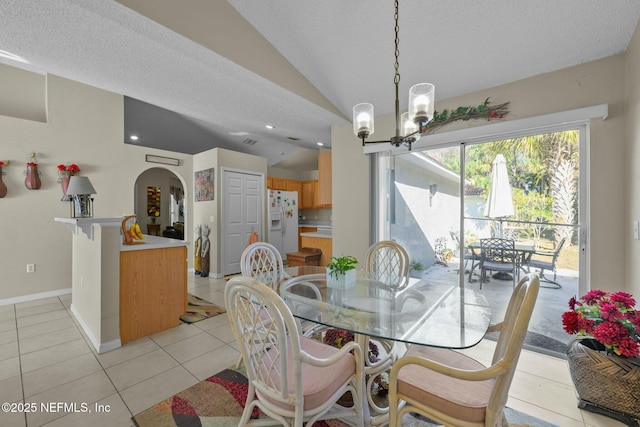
(597, 82)
(631, 249)
(85, 125)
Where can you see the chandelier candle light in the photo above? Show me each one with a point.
(410, 125)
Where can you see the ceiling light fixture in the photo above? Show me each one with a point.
(320, 143)
(408, 127)
(133, 137)
(269, 126)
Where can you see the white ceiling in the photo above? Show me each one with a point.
(215, 72)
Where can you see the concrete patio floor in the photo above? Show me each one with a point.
(545, 328)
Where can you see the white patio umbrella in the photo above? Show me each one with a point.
(500, 203)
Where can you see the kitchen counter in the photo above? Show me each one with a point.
(154, 242)
(324, 235)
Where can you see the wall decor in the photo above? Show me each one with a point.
(64, 175)
(153, 203)
(32, 176)
(163, 160)
(482, 111)
(3, 187)
(204, 183)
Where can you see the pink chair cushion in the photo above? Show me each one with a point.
(318, 383)
(465, 400)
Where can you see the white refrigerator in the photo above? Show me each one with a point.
(283, 221)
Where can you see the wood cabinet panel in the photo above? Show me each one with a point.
(309, 195)
(153, 291)
(304, 230)
(322, 243)
(278, 183)
(295, 186)
(324, 179)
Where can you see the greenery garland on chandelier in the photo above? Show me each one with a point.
(484, 110)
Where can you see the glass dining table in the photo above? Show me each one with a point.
(437, 314)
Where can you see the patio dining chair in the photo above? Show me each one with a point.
(548, 262)
(498, 255)
(292, 379)
(469, 255)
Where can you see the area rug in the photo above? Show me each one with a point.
(199, 309)
(219, 401)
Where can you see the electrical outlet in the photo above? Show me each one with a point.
(31, 268)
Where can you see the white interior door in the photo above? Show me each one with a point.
(242, 212)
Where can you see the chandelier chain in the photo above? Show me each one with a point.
(396, 77)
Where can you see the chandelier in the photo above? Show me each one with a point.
(409, 125)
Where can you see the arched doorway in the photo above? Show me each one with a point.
(160, 203)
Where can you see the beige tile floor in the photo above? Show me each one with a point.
(45, 357)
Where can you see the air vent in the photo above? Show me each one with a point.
(249, 141)
(293, 138)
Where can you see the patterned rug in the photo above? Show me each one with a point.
(219, 401)
(199, 309)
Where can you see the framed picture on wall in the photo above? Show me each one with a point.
(204, 184)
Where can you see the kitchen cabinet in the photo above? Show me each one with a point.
(305, 230)
(153, 290)
(324, 179)
(295, 186)
(278, 184)
(322, 243)
(309, 195)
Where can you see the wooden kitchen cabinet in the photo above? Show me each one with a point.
(278, 183)
(294, 186)
(324, 179)
(153, 291)
(322, 243)
(304, 230)
(309, 198)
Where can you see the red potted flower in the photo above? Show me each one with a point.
(604, 361)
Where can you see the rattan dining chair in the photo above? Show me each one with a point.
(451, 388)
(292, 379)
(388, 262)
(263, 262)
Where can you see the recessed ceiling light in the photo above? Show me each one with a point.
(239, 133)
(269, 126)
(320, 143)
(133, 137)
(12, 56)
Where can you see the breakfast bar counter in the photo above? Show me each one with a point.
(124, 292)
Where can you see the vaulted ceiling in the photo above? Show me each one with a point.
(200, 74)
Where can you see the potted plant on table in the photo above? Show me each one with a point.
(341, 272)
(603, 361)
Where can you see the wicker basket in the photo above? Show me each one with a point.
(609, 385)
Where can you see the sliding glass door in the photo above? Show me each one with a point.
(440, 202)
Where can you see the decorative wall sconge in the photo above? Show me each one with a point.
(32, 176)
(3, 187)
(81, 202)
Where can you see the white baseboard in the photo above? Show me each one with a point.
(100, 347)
(34, 297)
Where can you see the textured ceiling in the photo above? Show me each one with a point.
(200, 74)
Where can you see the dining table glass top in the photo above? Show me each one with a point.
(421, 312)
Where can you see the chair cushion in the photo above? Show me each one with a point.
(466, 400)
(319, 383)
(498, 266)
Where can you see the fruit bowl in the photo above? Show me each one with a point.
(131, 234)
